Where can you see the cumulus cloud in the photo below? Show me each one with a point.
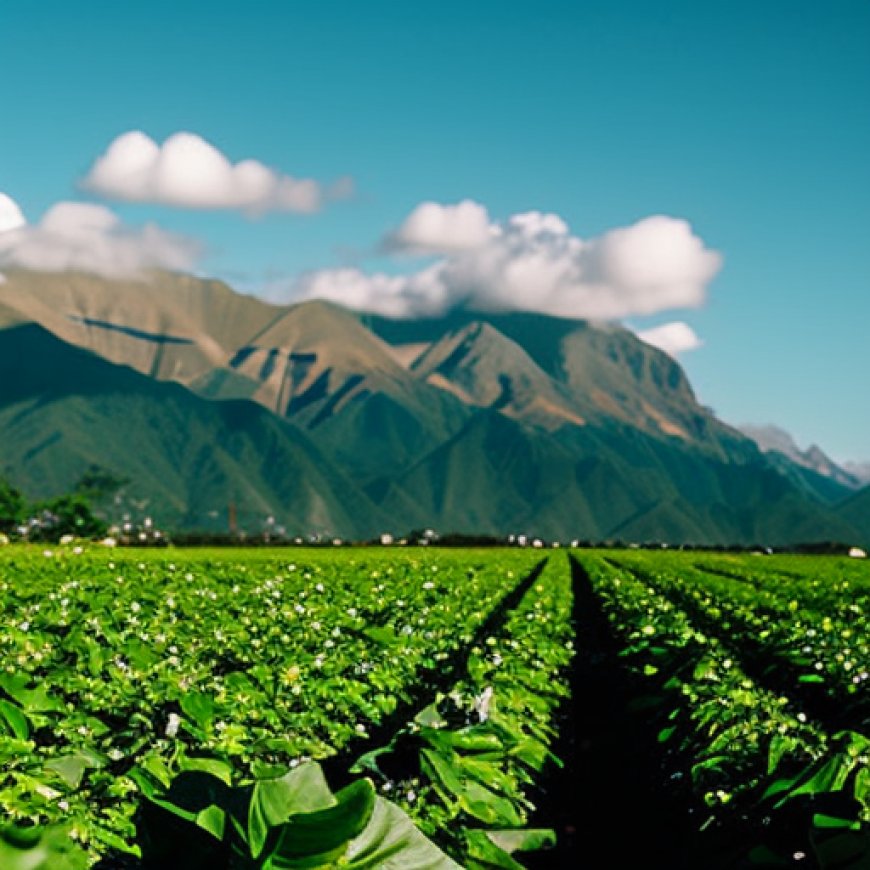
(530, 262)
(11, 216)
(188, 172)
(673, 338)
(432, 228)
(90, 238)
(422, 294)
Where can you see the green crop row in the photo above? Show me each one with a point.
(467, 767)
(817, 648)
(114, 663)
(750, 759)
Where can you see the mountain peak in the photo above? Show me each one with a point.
(472, 421)
(773, 439)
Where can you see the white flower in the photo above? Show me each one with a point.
(482, 703)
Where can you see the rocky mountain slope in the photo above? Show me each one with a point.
(334, 422)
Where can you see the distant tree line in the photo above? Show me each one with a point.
(52, 519)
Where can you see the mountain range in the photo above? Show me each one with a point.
(218, 408)
(776, 442)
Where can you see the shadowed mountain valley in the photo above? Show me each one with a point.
(345, 424)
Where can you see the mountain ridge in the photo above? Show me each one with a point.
(471, 422)
(774, 440)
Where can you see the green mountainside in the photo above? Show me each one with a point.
(855, 511)
(187, 458)
(337, 423)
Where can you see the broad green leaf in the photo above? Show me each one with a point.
(391, 841)
(192, 792)
(275, 801)
(71, 768)
(311, 837)
(482, 851)
(523, 839)
(820, 820)
(487, 772)
(39, 849)
(430, 717)
(15, 719)
(482, 803)
(31, 700)
(199, 707)
(534, 754)
(474, 739)
(439, 769)
(217, 767)
(369, 760)
(212, 819)
(780, 745)
(156, 769)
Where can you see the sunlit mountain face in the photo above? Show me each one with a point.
(323, 420)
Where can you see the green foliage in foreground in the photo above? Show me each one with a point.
(37, 848)
(123, 670)
(199, 820)
(723, 670)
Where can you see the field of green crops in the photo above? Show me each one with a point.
(432, 707)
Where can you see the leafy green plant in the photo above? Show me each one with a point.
(291, 821)
(35, 848)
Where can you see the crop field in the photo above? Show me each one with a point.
(429, 707)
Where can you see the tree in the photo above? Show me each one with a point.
(12, 507)
(69, 515)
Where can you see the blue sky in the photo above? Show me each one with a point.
(751, 121)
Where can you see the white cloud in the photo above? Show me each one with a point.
(188, 172)
(419, 295)
(11, 216)
(531, 262)
(91, 238)
(432, 228)
(673, 338)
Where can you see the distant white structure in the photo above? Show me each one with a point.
(386, 539)
(857, 553)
